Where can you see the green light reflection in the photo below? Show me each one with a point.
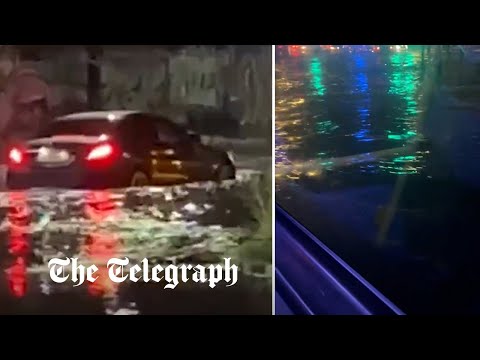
(403, 84)
(325, 127)
(322, 126)
(317, 76)
(402, 159)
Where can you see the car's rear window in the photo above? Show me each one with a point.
(92, 127)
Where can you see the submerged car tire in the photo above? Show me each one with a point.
(225, 172)
(139, 179)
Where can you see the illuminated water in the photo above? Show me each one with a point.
(198, 223)
(350, 142)
(340, 105)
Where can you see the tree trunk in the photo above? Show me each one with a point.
(94, 77)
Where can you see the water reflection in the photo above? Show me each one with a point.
(101, 244)
(364, 103)
(410, 236)
(195, 223)
(330, 106)
(323, 125)
(289, 114)
(19, 247)
(317, 76)
(404, 82)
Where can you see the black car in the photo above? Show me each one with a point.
(114, 149)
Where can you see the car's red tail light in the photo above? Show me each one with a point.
(101, 152)
(16, 156)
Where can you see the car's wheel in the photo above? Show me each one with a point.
(139, 179)
(225, 172)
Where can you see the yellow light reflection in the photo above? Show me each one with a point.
(289, 112)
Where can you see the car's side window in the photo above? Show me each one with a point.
(168, 133)
(127, 134)
(138, 133)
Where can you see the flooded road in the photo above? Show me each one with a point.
(352, 103)
(388, 174)
(200, 223)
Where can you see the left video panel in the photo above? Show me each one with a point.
(136, 180)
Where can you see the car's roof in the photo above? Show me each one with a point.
(113, 115)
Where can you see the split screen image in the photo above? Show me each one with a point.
(184, 180)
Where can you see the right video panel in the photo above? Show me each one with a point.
(377, 179)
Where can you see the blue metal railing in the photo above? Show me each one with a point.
(311, 279)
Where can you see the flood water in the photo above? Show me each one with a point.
(356, 135)
(200, 223)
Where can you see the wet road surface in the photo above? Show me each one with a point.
(199, 223)
(355, 138)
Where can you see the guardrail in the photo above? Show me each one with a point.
(311, 279)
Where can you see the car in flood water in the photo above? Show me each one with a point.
(114, 149)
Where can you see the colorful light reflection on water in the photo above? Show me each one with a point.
(331, 106)
(289, 114)
(404, 83)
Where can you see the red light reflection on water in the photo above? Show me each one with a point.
(17, 278)
(101, 245)
(19, 217)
